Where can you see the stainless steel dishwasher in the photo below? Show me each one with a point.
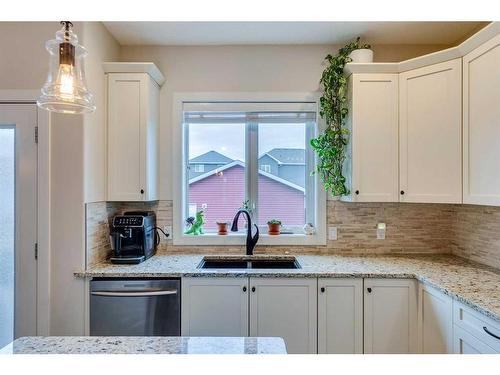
(135, 307)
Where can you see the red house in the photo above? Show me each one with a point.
(223, 191)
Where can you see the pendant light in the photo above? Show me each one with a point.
(65, 90)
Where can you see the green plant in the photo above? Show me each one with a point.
(331, 144)
(246, 205)
(274, 222)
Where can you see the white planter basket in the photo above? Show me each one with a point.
(362, 55)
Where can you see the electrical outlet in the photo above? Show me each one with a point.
(332, 233)
(168, 230)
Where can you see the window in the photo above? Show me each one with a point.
(265, 167)
(222, 147)
(199, 168)
(255, 154)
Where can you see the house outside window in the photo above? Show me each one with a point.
(261, 156)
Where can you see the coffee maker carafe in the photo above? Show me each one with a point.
(133, 237)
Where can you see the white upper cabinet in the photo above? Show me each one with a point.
(481, 124)
(132, 137)
(430, 144)
(374, 137)
(390, 316)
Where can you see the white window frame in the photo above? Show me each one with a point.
(199, 168)
(179, 171)
(265, 168)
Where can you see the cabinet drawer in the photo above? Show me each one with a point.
(477, 324)
(465, 343)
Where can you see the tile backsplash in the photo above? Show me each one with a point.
(476, 234)
(472, 232)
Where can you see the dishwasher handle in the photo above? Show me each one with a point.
(139, 293)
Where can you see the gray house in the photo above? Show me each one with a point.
(207, 162)
(286, 163)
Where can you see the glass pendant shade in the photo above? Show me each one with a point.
(65, 90)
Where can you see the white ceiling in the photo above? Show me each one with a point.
(237, 33)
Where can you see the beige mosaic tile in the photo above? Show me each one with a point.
(472, 232)
(476, 234)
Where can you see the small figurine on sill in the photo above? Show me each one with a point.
(195, 224)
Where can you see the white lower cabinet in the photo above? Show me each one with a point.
(435, 321)
(278, 307)
(214, 306)
(340, 316)
(287, 308)
(473, 332)
(390, 316)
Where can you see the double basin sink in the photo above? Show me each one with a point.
(249, 262)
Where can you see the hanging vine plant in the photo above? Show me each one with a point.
(330, 146)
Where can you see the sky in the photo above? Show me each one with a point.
(229, 139)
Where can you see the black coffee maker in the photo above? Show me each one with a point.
(133, 237)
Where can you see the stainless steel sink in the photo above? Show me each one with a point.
(249, 262)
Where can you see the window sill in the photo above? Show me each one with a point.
(213, 239)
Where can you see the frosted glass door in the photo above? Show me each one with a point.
(18, 221)
(7, 233)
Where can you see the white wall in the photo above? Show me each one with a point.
(101, 46)
(24, 60)
(240, 68)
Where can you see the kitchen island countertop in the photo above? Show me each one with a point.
(145, 345)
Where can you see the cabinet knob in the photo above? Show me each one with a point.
(142, 191)
(402, 192)
(369, 290)
(357, 192)
(322, 289)
(244, 289)
(253, 289)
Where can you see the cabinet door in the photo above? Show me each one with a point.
(214, 306)
(390, 316)
(465, 343)
(126, 131)
(435, 321)
(481, 117)
(374, 125)
(340, 316)
(430, 134)
(285, 307)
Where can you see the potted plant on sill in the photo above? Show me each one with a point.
(222, 228)
(273, 227)
(330, 146)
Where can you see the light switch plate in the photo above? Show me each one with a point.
(381, 231)
(332, 233)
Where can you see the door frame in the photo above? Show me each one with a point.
(43, 204)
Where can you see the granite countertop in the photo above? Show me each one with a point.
(473, 284)
(145, 345)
